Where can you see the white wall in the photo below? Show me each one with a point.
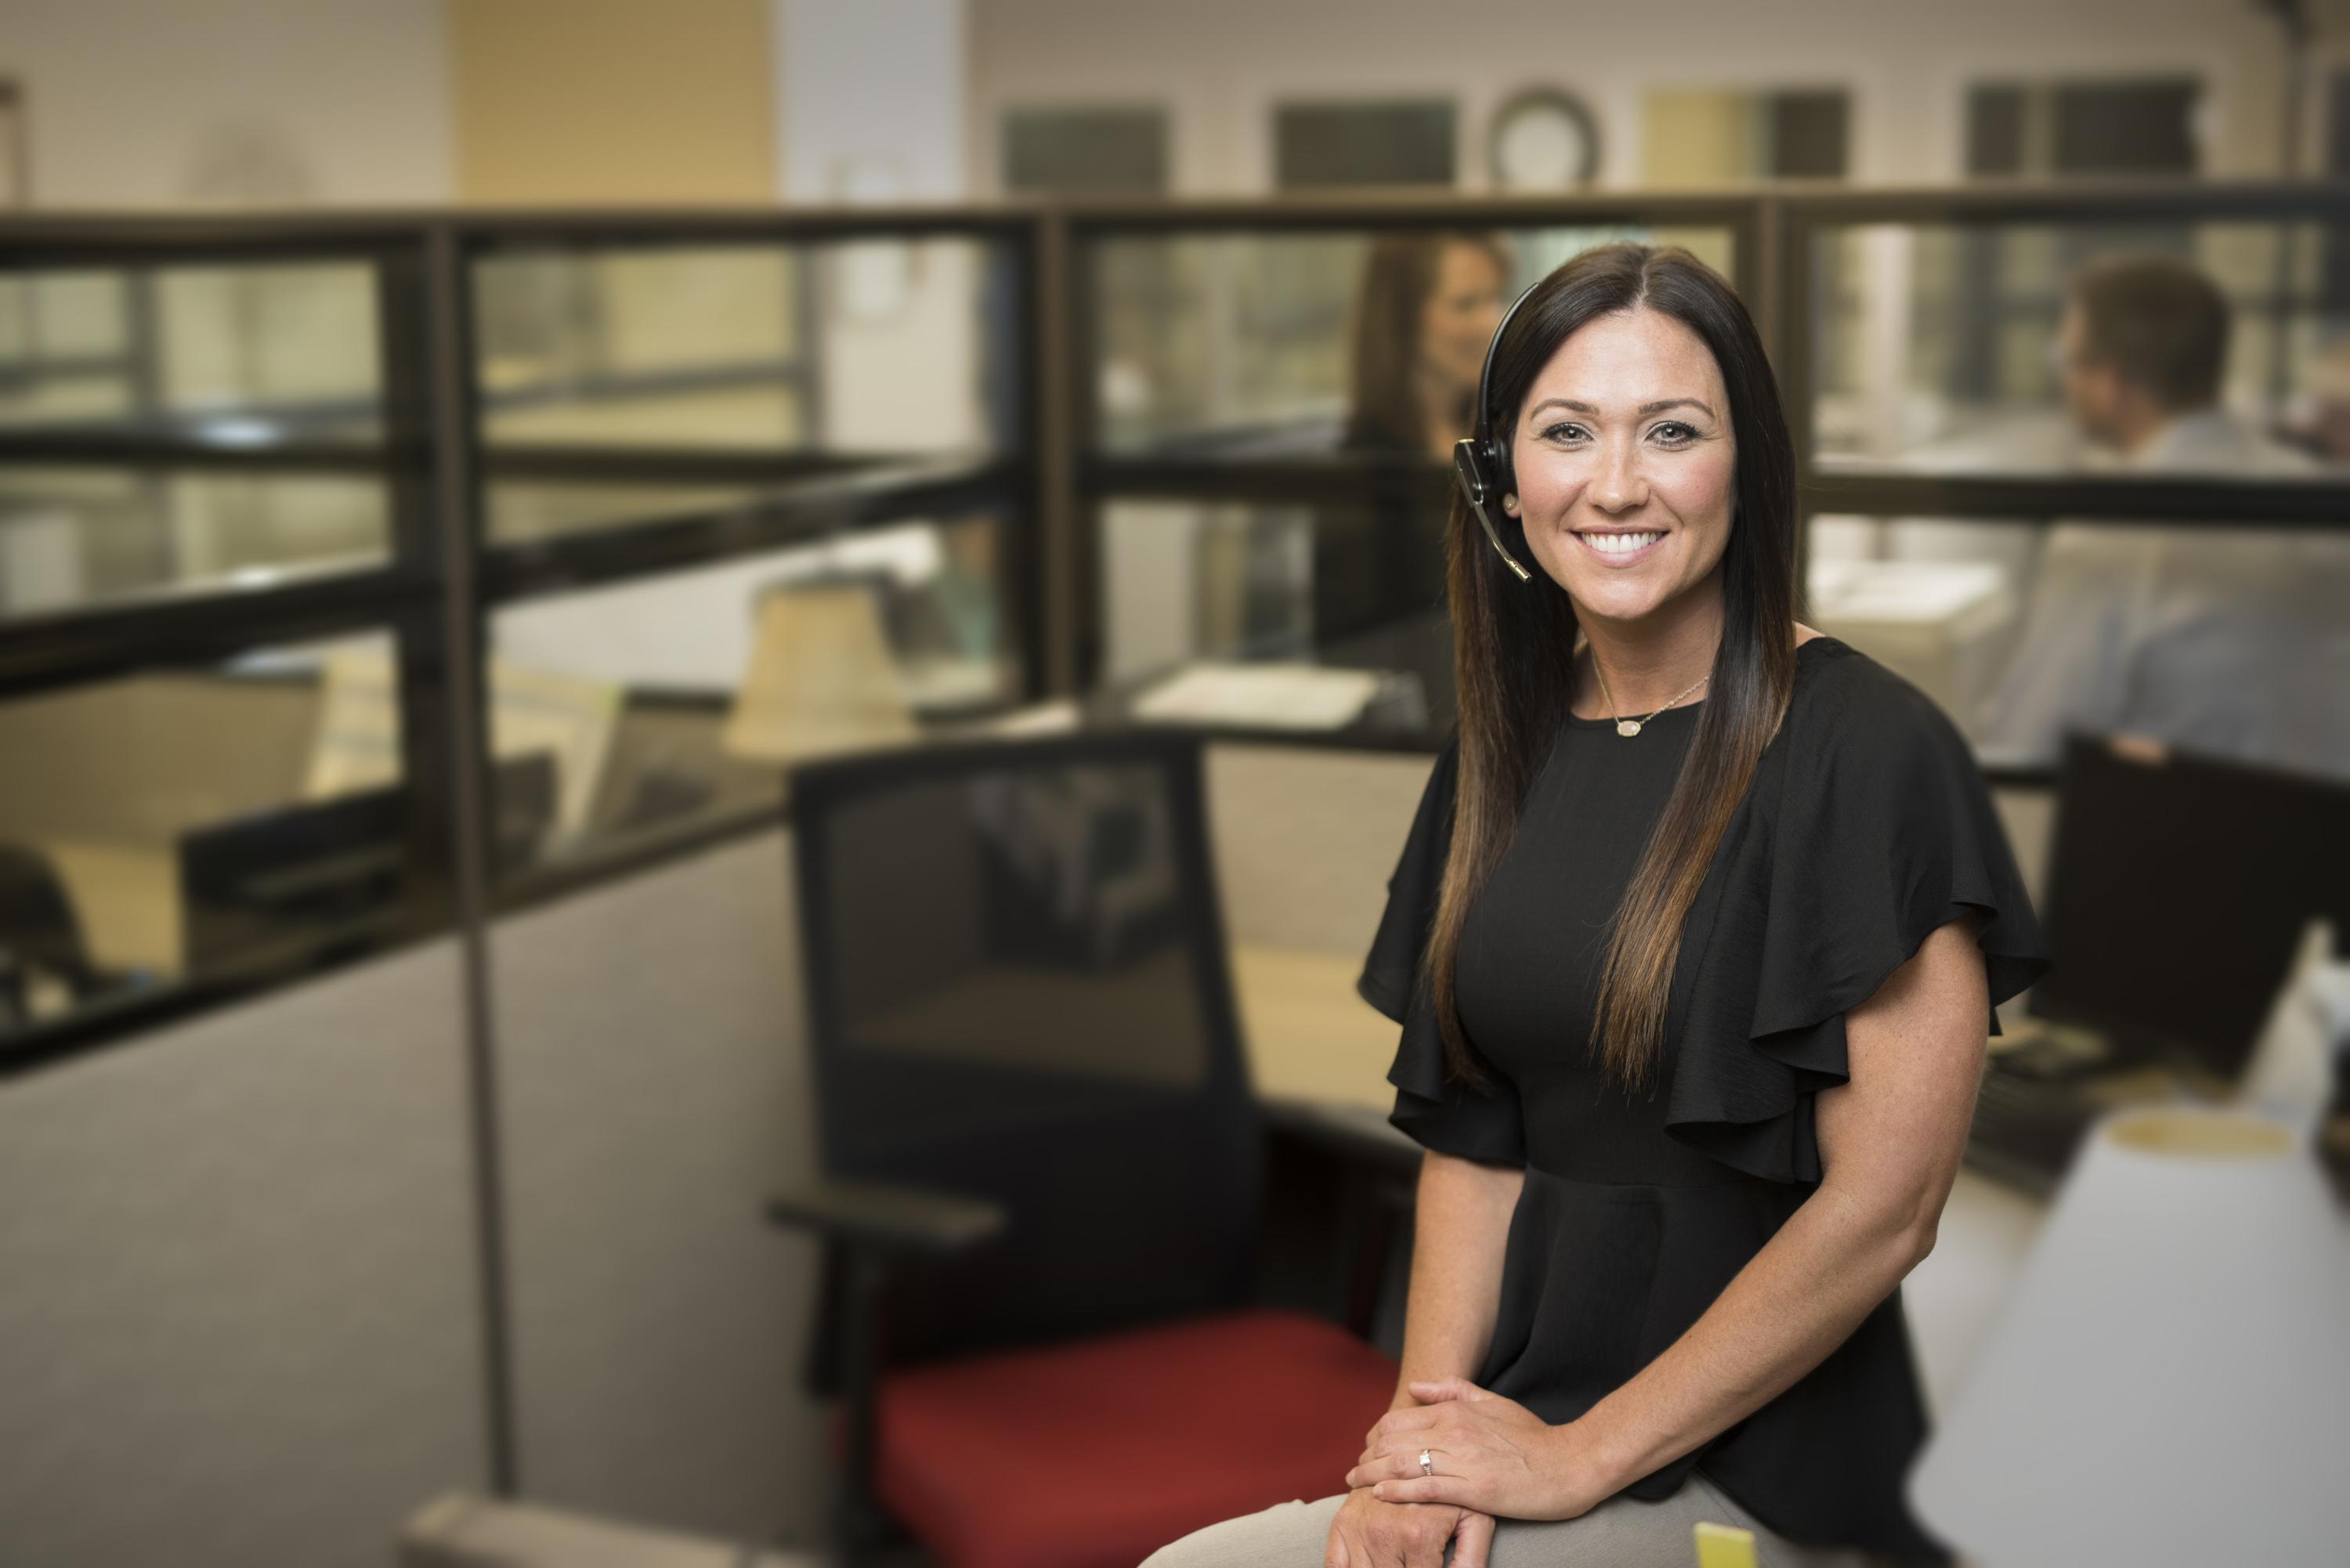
(1219, 66)
(134, 103)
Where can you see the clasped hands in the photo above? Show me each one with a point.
(1493, 1458)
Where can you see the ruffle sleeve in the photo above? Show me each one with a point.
(1869, 826)
(1438, 1109)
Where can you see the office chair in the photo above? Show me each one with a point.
(1042, 1164)
(39, 935)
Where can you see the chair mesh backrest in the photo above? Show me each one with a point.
(1014, 963)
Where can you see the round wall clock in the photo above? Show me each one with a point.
(1544, 139)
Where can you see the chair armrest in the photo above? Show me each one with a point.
(883, 1217)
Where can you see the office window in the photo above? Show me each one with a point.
(251, 355)
(71, 537)
(1405, 143)
(1341, 604)
(671, 701)
(1939, 355)
(874, 347)
(1238, 345)
(1699, 136)
(2220, 638)
(2084, 128)
(1101, 152)
(186, 823)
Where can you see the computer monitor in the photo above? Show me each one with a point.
(2177, 896)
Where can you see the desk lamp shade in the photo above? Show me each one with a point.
(2171, 1382)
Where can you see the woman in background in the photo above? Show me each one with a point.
(1427, 307)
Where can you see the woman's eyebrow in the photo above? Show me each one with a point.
(1660, 406)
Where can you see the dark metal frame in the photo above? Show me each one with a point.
(1048, 486)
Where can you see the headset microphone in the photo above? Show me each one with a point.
(1481, 462)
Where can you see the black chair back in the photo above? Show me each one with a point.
(1014, 963)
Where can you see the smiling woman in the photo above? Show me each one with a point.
(1703, 917)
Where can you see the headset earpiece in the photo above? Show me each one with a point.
(1480, 461)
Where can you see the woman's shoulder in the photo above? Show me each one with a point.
(1849, 710)
(1859, 729)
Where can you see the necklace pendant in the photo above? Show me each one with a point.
(1628, 727)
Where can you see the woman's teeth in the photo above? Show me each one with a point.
(1621, 543)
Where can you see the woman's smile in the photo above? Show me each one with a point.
(1619, 549)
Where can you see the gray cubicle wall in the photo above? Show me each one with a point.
(238, 1318)
(650, 1043)
(238, 1323)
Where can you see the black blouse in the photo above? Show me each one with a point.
(1867, 826)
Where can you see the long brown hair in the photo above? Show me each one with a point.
(1398, 278)
(1513, 651)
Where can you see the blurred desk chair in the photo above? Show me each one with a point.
(1042, 1163)
(40, 940)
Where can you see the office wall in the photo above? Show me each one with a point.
(268, 102)
(611, 100)
(1219, 66)
(237, 1313)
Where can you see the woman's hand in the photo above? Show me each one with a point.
(1491, 1454)
(1368, 1534)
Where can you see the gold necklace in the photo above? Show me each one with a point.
(1630, 727)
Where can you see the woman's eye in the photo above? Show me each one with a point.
(1673, 432)
(1565, 431)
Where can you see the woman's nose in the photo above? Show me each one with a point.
(1618, 486)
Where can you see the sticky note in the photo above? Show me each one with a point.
(1724, 1546)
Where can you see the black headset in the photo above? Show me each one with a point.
(1481, 462)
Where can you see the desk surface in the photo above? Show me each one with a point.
(1309, 1036)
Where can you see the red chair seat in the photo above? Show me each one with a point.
(1095, 1454)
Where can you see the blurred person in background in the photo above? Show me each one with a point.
(1425, 308)
(1693, 942)
(2230, 641)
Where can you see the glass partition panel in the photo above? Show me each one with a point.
(522, 511)
(1336, 610)
(182, 822)
(71, 536)
(863, 345)
(247, 355)
(1237, 346)
(668, 700)
(2216, 348)
(2221, 638)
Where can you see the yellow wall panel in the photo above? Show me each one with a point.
(613, 100)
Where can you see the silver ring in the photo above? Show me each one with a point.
(1427, 1464)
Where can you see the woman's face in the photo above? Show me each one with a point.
(1626, 465)
(1462, 310)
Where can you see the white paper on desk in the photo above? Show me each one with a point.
(1279, 696)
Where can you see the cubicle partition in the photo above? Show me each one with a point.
(532, 526)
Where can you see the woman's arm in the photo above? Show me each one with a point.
(1461, 1223)
(1890, 1141)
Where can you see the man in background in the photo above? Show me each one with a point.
(2230, 641)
